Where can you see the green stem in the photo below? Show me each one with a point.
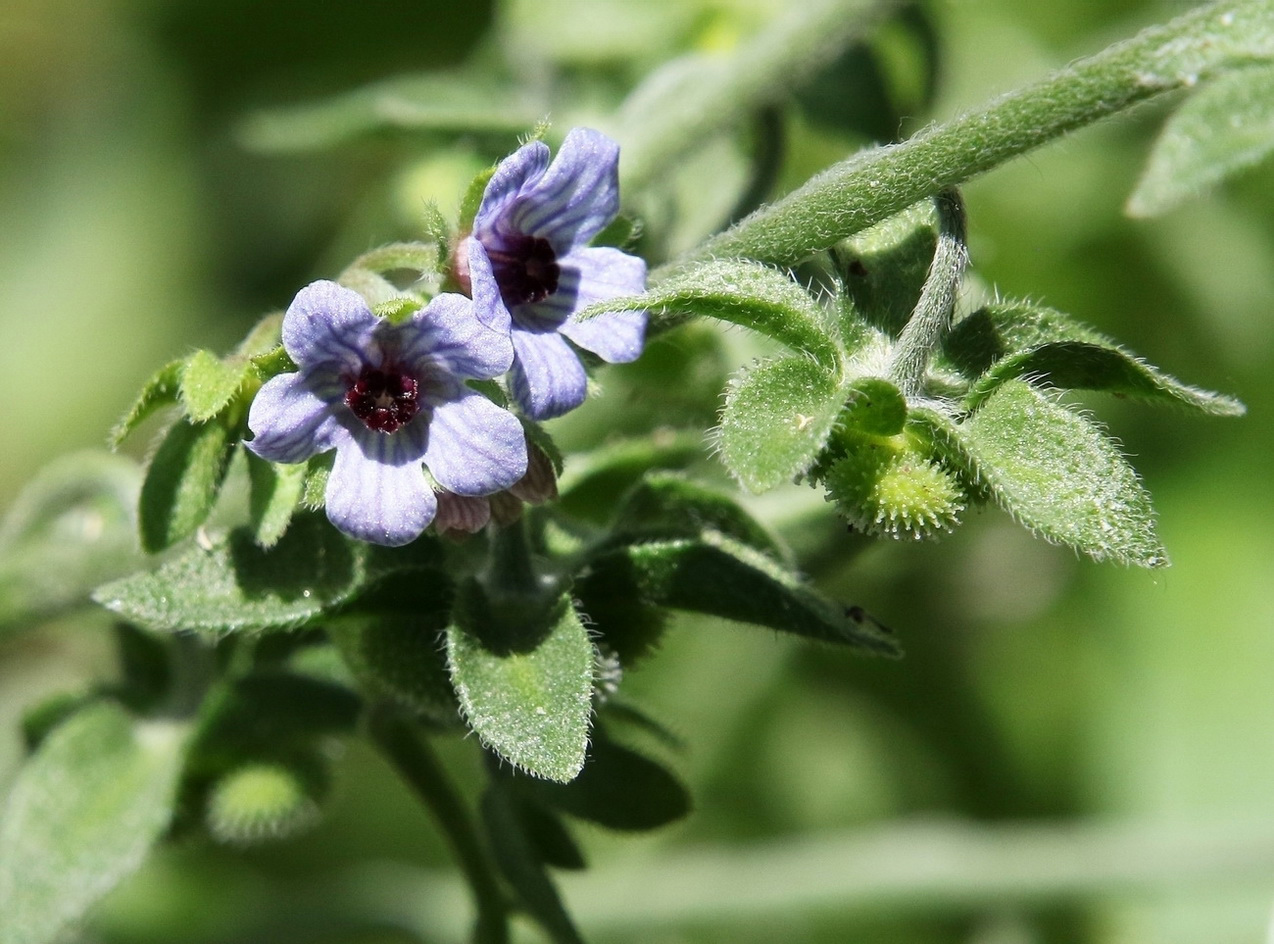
(415, 760)
(872, 185)
(936, 305)
(512, 572)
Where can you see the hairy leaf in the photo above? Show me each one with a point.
(777, 417)
(1016, 340)
(231, 584)
(665, 504)
(525, 682)
(717, 575)
(161, 390)
(1061, 477)
(183, 482)
(276, 490)
(743, 293)
(209, 383)
(81, 817)
(1223, 128)
(71, 528)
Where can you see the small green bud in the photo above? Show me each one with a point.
(265, 800)
(889, 487)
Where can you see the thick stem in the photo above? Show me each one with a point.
(512, 571)
(412, 756)
(872, 185)
(932, 318)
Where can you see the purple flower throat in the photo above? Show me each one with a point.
(525, 268)
(385, 398)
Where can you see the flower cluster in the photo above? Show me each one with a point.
(390, 398)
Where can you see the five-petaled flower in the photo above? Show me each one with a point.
(389, 397)
(530, 234)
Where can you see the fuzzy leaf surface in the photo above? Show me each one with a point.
(72, 527)
(1223, 128)
(1061, 477)
(81, 816)
(742, 293)
(665, 504)
(161, 390)
(1002, 342)
(526, 693)
(717, 575)
(232, 584)
(276, 490)
(777, 417)
(182, 483)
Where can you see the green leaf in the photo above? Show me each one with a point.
(1223, 128)
(665, 504)
(208, 384)
(1017, 340)
(743, 293)
(528, 697)
(231, 584)
(161, 390)
(71, 528)
(434, 102)
(619, 789)
(776, 419)
(269, 711)
(521, 864)
(1061, 477)
(883, 269)
(473, 198)
(276, 490)
(392, 640)
(717, 575)
(182, 482)
(81, 816)
(589, 484)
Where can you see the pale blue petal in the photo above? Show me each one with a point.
(488, 305)
(447, 334)
(475, 447)
(373, 499)
(330, 327)
(597, 275)
(291, 421)
(524, 166)
(547, 379)
(576, 197)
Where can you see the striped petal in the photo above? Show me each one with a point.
(547, 379)
(576, 197)
(290, 421)
(517, 171)
(330, 327)
(447, 333)
(377, 491)
(475, 447)
(595, 276)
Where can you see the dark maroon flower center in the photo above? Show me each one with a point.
(384, 399)
(525, 268)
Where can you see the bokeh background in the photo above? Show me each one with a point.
(1119, 711)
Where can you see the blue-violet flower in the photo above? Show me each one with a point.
(389, 397)
(531, 233)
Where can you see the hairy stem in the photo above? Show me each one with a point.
(874, 184)
(932, 317)
(416, 762)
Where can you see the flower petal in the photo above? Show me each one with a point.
(576, 197)
(447, 333)
(521, 168)
(372, 498)
(596, 275)
(329, 326)
(291, 421)
(488, 305)
(475, 447)
(547, 377)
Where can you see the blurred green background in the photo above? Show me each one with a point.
(1038, 687)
